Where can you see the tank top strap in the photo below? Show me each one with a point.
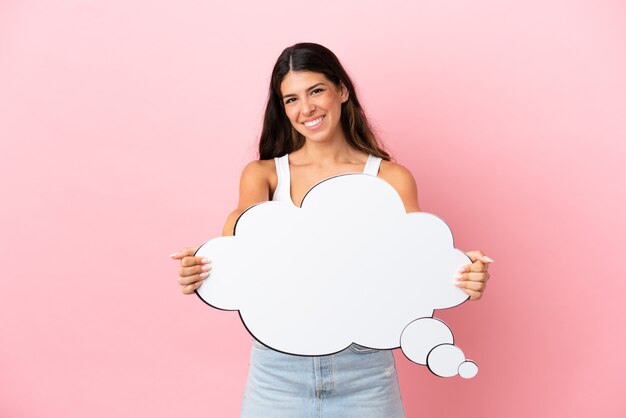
(372, 165)
(283, 186)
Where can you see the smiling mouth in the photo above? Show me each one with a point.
(314, 123)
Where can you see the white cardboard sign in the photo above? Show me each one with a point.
(349, 266)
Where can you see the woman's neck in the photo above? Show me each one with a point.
(325, 154)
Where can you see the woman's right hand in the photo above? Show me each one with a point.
(193, 270)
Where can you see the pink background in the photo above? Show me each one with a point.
(124, 126)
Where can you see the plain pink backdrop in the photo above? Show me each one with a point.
(124, 126)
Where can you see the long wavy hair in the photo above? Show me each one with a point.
(279, 137)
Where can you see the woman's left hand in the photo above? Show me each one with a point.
(472, 278)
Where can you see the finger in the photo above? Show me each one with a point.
(482, 276)
(477, 266)
(473, 294)
(187, 280)
(478, 255)
(193, 261)
(190, 289)
(187, 251)
(190, 271)
(470, 271)
(476, 286)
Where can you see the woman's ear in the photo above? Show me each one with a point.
(343, 92)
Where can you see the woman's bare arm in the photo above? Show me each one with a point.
(471, 278)
(254, 187)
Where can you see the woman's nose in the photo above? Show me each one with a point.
(307, 107)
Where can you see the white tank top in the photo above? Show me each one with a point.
(283, 188)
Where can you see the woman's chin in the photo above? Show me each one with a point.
(323, 137)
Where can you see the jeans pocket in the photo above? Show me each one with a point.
(359, 349)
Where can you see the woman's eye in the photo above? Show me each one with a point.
(289, 100)
(317, 90)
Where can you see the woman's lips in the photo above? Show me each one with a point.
(314, 124)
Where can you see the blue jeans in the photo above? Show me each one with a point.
(356, 382)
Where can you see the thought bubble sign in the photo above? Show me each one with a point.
(348, 266)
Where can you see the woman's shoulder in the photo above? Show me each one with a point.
(260, 165)
(402, 180)
(392, 171)
(259, 171)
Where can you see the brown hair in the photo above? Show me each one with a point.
(279, 137)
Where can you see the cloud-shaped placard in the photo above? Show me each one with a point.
(349, 266)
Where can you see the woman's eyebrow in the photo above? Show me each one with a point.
(309, 89)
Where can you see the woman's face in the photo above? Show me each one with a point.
(313, 104)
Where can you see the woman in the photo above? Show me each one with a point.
(315, 128)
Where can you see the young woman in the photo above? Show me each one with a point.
(315, 128)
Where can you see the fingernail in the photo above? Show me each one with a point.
(456, 282)
(488, 259)
(173, 254)
(204, 275)
(458, 276)
(461, 269)
(204, 260)
(206, 268)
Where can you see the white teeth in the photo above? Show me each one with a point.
(313, 122)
